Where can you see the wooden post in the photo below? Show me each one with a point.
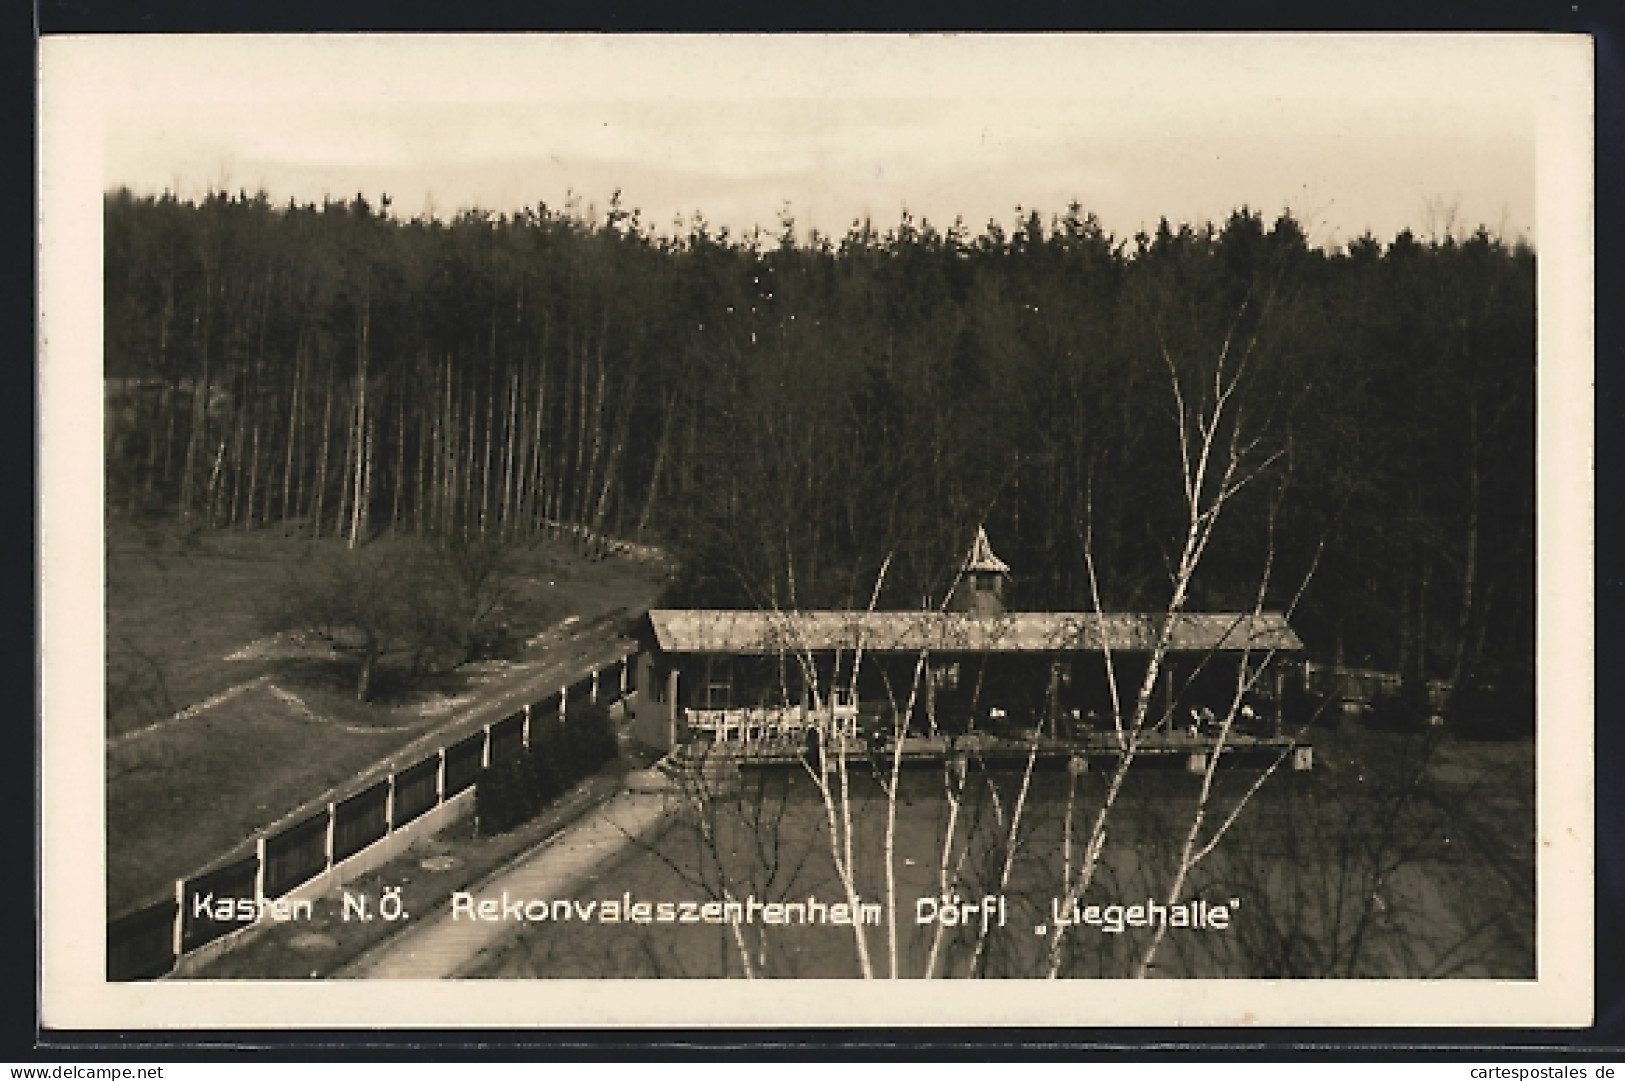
(440, 777)
(332, 825)
(524, 729)
(485, 749)
(259, 871)
(671, 703)
(389, 805)
(564, 692)
(592, 695)
(622, 688)
(180, 918)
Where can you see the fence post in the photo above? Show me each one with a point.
(485, 748)
(563, 693)
(389, 805)
(180, 917)
(259, 871)
(332, 825)
(622, 689)
(671, 696)
(592, 695)
(440, 777)
(524, 729)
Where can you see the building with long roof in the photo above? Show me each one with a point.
(728, 675)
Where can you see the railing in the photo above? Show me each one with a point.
(756, 724)
(320, 839)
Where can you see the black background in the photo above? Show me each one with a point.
(24, 1040)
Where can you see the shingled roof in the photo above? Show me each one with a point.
(981, 557)
(764, 633)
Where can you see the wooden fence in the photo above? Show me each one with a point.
(149, 942)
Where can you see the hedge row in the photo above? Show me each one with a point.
(561, 753)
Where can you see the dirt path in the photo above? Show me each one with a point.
(451, 942)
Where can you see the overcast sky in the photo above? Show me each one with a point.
(1350, 133)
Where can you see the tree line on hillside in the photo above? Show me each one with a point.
(790, 416)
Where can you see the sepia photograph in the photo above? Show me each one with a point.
(586, 523)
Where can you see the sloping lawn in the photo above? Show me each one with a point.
(217, 729)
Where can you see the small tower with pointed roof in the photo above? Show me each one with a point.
(980, 590)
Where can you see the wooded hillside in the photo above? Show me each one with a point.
(783, 415)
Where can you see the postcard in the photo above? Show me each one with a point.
(574, 530)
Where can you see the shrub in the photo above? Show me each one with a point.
(548, 758)
(505, 796)
(590, 738)
(560, 754)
